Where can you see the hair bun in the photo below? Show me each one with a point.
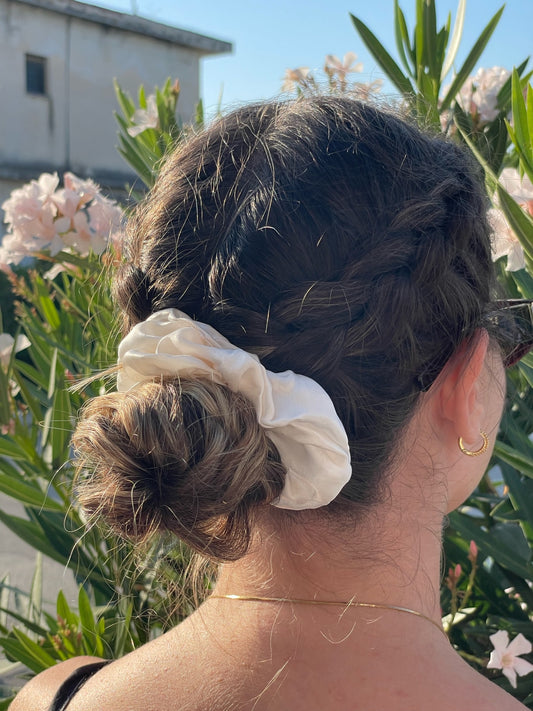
(186, 456)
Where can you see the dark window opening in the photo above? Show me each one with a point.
(35, 74)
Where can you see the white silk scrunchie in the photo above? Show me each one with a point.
(297, 412)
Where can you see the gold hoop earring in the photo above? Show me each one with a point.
(476, 452)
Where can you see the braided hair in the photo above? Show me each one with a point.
(324, 235)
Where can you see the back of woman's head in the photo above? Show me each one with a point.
(323, 235)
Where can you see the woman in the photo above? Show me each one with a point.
(329, 239)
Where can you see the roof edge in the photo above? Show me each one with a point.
(133, 23)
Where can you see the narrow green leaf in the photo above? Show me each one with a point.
(434, 62)
(521, 496)
(383, 58)
(126, 104)
(32, 534)
(61, 425)
(520, 119)
(64, 612)
(36, 591)
(419, 37)
(27, 494)
(457, 33)
(529, 110)
(9, 448)
(15, 650)
(402, 36)
(52, 374)
(142, 97)
(491, 546)
(49, 312)
(89, 626)
(516, 459)
(37, 652)
(122, 634)
(86, 613)
(471, 61)
(37, 629)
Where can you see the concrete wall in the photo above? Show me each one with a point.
(73, 125)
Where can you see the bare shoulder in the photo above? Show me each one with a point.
(37, 694)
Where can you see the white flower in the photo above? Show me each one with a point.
(504, 240)
(506, 655)
(8, 344)
(145, 118)
(479, 94)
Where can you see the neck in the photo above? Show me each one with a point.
(396, 562)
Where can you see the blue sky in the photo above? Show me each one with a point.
(273, 35)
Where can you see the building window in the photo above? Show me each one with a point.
(35, 74)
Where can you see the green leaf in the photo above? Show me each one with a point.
(64, 611)
(520, 118)
(36, 591)
(383, 58)
(126, 104)
(122, 634)
(434, 62)
(27, 494)
(50, 312)
(516, 459)
(37, 629)
(471, 530)
(9, 448)
(32, 534)
(471, 61)
(34, 650)
(15, 650)
(456, 39)
(88, 623)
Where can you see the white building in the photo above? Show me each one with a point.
(58, 59)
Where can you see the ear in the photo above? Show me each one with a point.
(459, 399)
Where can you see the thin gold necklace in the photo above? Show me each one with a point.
(335, 603)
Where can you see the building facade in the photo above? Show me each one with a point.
(58, 59)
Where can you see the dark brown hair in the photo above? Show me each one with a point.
(324, 235)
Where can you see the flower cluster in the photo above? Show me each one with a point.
(504, 240)
(42, 218)
(336, 71)
(479, 94)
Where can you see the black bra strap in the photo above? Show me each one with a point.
(73, 684)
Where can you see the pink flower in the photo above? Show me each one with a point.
(472, 552)
(104, 216)
(504, 240)
(145, 118)
(294, 77)
(86, 189)
(506, 655)
(334, 66)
